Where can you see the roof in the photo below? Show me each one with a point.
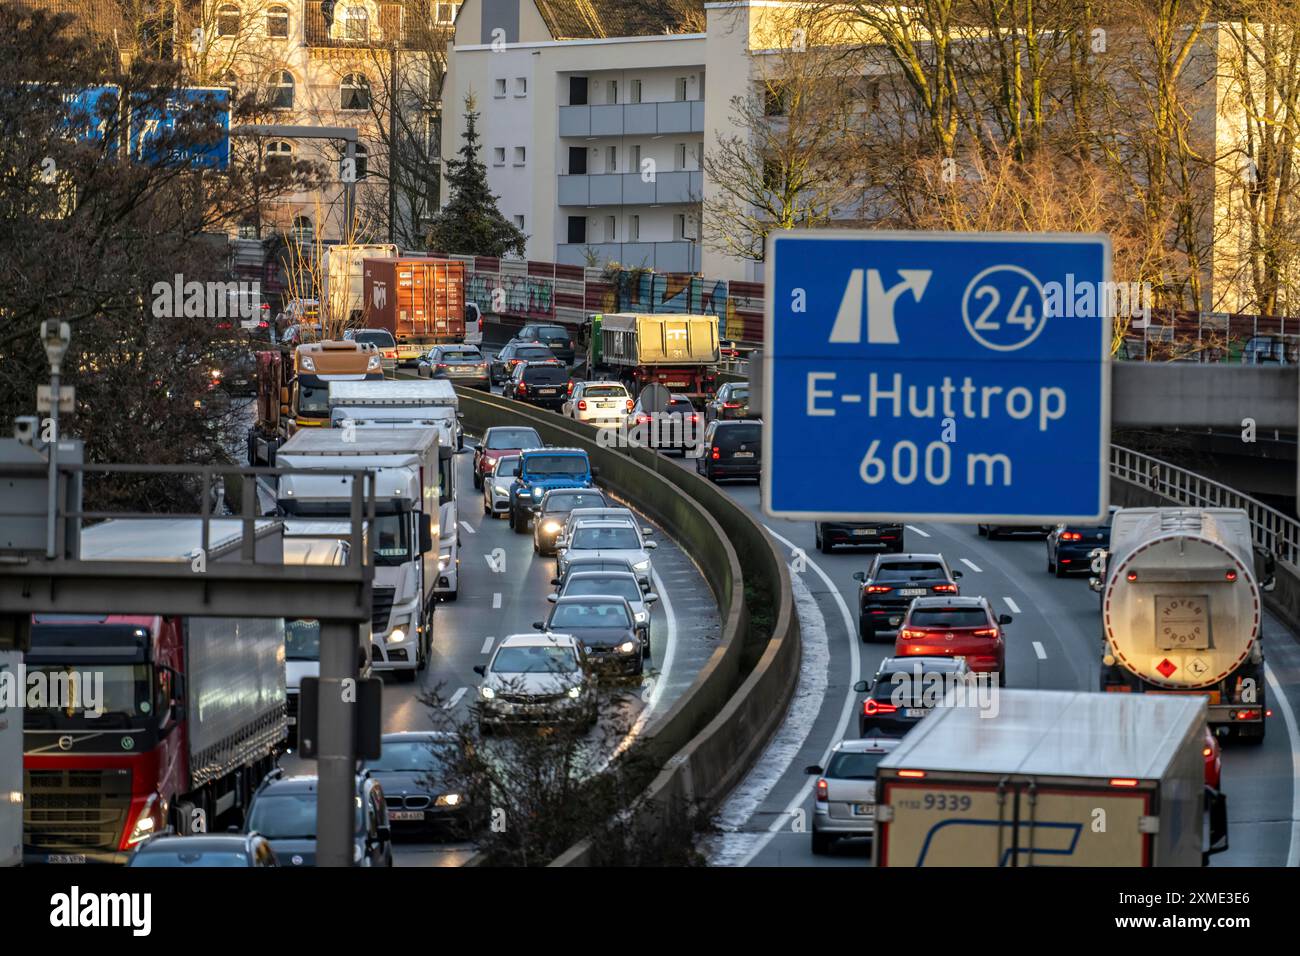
(422, 391)
(953, 601)
(928, 664)
(855, 745)
(160, 539)
(537, 640)
(555, 451)
(360, 441)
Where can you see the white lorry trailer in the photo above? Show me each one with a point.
(415, 403)
(1053, 778)
(404, 532)
(344, 278)
(1180, 611)
(11, 762)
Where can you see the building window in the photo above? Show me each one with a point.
(279, 155)
(303, 231)
(633, 228)
(681, 88)
(446, 12)
(636, 158)
(354, 92)
(499, 86)
(681, 155)
(634, 94)
(773, 101)
(611, 92)
(577, 91)
(679, 226)
(227, 20)
(611, 228)
(277, 23)
(577, 160)
(611, 159)
(356, 22)
(498, 155)
(519, 223)
(282, 91)
(521, 86)
(247, 229)
(520, 155)
(578, 229)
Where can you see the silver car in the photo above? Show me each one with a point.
(620, 583)
(577, 515)
(845, 804)
(608, 538)
(536, 679)
(496, 486)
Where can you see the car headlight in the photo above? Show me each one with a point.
(537, 492)
(443, 561)
(641, 617)
(448, 800)
(357, 853)
(551, 527)
(308, 365)
(396, 636)
(487, 692)
(575, 692)
(627, 647)
(148, 823)
(641, 566)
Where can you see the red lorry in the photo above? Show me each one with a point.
(420, 300)
(170, 721)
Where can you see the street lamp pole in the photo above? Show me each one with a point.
(56, 336)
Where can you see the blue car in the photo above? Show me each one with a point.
(1070, 546)
(542, 470)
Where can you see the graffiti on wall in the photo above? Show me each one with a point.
(531, 297)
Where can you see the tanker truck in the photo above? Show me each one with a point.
(1180, 611)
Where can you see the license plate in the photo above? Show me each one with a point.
(605, 405)
(864, 809)
(66, 858)
(915, 711)
(912, 592)
(744, 454)
(406, 814)
(864, 532)
(546, 391)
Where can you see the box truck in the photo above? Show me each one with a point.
(342, 272)
(1052, 778)
(420, 300)
(190, 719)
(1180, 611)
(404, 532)
(679, 352)
(418, 403)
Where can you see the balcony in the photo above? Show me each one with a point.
(629, 189)
(681, 255)
(633, 119)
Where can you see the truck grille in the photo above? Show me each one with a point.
(75, 810)
(381, 607)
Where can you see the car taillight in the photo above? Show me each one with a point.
(822, 794)
(523, 389)
(1132, 576)
(1230, 576)
(694, 419)
(442, 365)
(629, 404)
(569, 389)
(1070, 536)
(878, 588)
(945, 588)
(986, 632)
(716, 454)
(1246, 715)
(643, 419)
(264, 324)
(910, 633)
(582, 404)
(871, 707)
(1208, 752)
(731, 404)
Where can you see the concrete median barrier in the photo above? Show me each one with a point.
(712, 734)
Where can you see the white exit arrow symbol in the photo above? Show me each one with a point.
(881, 329)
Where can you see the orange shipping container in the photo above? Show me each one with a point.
(418, 299)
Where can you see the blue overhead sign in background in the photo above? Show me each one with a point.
(154, 138)
(937, 376)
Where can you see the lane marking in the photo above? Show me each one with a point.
(496, 600)
(1011, 605)
(467, 527)
(487, 645)
(914, 528)
(972, 565)
(455, 699)
(1284, 705)
(1040, 651)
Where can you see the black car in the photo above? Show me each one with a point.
(606, 627)
(897, 696)
(992, 531)
(676, 427)
(731, 400)
(1070, 546)
(538, 383)
(554, 509)
(732, 449)
(238, 375)
(228, 850)
(420, 772)
(891, 583)
(555, 337)
(284, 811)
(592, 562)
(463, 364)
(888, 536)
(514, 352)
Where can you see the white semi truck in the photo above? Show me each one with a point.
(1052, 778)
(1181, 609)
(406, 404)
(402, 536)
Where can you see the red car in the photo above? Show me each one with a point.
(498, 442)
(955, 627)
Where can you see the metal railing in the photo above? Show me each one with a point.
(1270, 528)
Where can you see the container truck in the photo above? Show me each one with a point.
(1051, 778)
(402, 535)
(1180, 611)
(420, 300)
(11, 762)
(418, 403)
(294, 393)
(191, 716)
(679, 352)
(342, 271)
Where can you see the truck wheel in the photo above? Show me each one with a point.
(821, 844)
(478, 480)
(512, 516)
(1051, 566)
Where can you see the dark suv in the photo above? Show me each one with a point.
(891, 583)
(555, 337)
(284, 811)
(539, 383)
(732, 449)
(888, 536)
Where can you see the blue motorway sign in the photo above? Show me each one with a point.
(154, 138)
(937, 376)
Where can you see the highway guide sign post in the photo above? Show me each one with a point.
(937, 376)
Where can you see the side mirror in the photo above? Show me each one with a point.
(552, 597)
(650, 598)
(956, 575)
(814, 769)
(1004, 618)
(555, 582)
(595, 472)
(862, 686)
(460, 415)
(539, 625)
(647, 531)
(480, 670)
(859, 576)
(426, 533)
(649, 545)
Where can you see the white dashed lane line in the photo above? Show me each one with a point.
(468, 527)
(487, 645)
(1040, 651)
(915, 529)
(496, 600)
(971, 564)
(455, 698)
(1012, 606)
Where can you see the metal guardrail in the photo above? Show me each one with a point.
(1270, 528)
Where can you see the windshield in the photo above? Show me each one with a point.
(461, 358)
(536, 659)
(302, 640)
(557, 466)
(507, 467)
(314, 399)
(216, 858)
(552, 334)
(949, 617)
(545, 375)
(287, 816)
(562, 503)
(604, 391)
(392, 537)
(413, 756)
(590, 615)
(513, 438)
(527, 352)
(624, 587)
(909, 572)
(850, 766)
(72, 694)
(605, 539)
(733, 436)
(379, 337)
